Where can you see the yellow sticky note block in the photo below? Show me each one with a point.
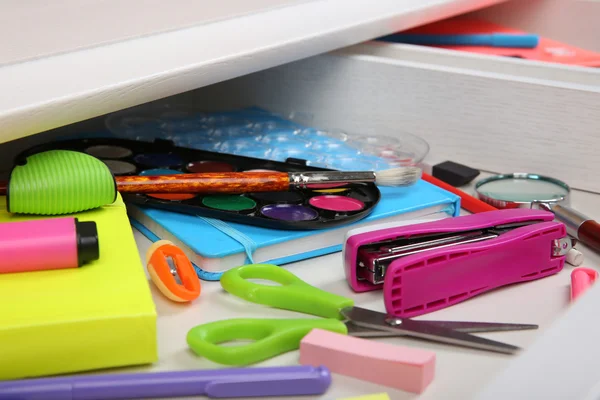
(79, 319)
(378, 396)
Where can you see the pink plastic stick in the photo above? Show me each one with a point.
(581, 280)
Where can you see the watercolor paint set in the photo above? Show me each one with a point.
(318, 206)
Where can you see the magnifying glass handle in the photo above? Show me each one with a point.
(581, 227)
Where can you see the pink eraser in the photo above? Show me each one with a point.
(398, 367)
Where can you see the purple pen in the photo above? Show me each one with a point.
(219, 383)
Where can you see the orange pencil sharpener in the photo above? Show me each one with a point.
(172, 272)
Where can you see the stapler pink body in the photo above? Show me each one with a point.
(429, 266)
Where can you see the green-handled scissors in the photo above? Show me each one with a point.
(272, 337)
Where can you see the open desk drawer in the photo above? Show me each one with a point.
(497, 114)
(492, 113)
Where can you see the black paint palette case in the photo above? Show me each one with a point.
(318, 207)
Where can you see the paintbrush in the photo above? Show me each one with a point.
(249, 182)
(58, 182)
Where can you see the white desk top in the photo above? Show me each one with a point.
(70, 60)
(460, 373)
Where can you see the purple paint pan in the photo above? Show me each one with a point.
(289, 212)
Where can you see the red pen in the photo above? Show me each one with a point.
(468, 202)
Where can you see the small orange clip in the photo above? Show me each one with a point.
(164, 274)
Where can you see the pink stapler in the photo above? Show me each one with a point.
(428, 266)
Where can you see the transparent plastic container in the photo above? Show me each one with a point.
(256, 132)
(400, 149)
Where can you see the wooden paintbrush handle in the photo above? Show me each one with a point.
(210, 182)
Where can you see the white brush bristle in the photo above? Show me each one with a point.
(401, 176)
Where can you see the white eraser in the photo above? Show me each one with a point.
(574, 257)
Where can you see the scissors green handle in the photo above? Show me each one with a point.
(293, 293)
(270, 336)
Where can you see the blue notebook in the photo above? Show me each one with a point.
(215, 246)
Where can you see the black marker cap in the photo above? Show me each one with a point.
(87, 242)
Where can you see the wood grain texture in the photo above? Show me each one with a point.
(495, 121)
(206, 183)
(55, 91)
(34, 23)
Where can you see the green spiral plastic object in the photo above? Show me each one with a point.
(60, 182)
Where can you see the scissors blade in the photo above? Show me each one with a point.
(467, 327)
(474, 327)
(364, 332)
(376, 320)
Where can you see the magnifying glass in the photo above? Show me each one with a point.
(522, 190)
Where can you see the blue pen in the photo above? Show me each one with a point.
(494, 39)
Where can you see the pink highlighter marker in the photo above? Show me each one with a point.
(44, 244)
(581, 280)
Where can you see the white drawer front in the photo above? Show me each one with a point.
(498, 115)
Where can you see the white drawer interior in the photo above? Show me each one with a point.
(449, 59)
(502, 116)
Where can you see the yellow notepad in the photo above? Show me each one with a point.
(79, 319)
(378, 396)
